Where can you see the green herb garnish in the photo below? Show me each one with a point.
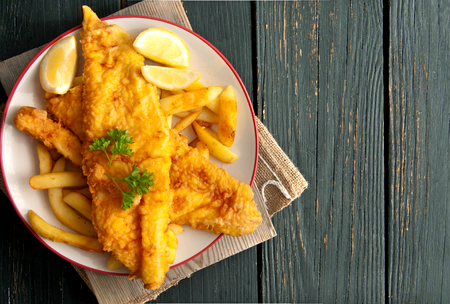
(120, 140)
(137, 182)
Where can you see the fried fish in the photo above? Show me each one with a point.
(188, 189)
(115, 95)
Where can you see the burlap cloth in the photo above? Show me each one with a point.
(274, 170)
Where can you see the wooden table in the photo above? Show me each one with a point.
(356, 94)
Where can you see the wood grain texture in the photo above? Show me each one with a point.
(29, 271)
(419, 143)
(32, 24)
(320, 93)
(234, 279)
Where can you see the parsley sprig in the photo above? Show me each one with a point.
(120, 140)
(137, 182)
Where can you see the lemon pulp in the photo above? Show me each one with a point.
(170, 78)
(162, 46)
(58, 66)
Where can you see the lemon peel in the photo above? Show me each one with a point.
(59, 65)
(169, 78)
(162, 46)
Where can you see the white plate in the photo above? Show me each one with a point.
(19, 156)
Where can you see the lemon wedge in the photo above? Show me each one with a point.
(162, 46)
(59, 65)
(169, 78)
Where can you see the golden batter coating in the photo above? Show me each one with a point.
(187, 189)
(35, 123)
(206, 197)
(67, 108)
(115, 95)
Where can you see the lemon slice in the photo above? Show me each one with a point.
(162, 46)
(169, 78)
(59, 66)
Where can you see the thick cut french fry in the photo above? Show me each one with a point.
(204, 123)
(165, 93)
(189, 101)
(80, 203)
(170, 255)
(84, 191)
(202, 149)
(174, 92)
(212, 133)
(169, 119)
(63, 212)
(113, 263)
(172, 240)
(214, 105)
(215, 147)
(45, 159)
(206, 115)
(55, 154)
(177, 229)
(196, 85)
(60, 165)
(186, 122)
(227, 117)
(58, 180)
(209, 116)
(172, 245)
(54, 234)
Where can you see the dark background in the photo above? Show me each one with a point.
(355, 92)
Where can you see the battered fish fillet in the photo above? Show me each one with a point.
(35, 123)
(115, 95)
(206, 197)
(68, 108)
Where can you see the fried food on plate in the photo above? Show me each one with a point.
(206, 115)
(187, 188)
(54, 234)
(191, 202)
(67, 108)
(189, 101)
(113, 263)
(58, 180)
(186, 122)
(206, 197)
(35, 123)
(66, 215)
(215, 147)
(115, 95)
(80, 203)
(45, 159)
(227, 117)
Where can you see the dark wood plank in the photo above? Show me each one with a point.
(226, 24)
(320, 92)
(31, 24)
(29, 271)
(419, 143)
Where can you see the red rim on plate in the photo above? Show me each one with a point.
(25, 71)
